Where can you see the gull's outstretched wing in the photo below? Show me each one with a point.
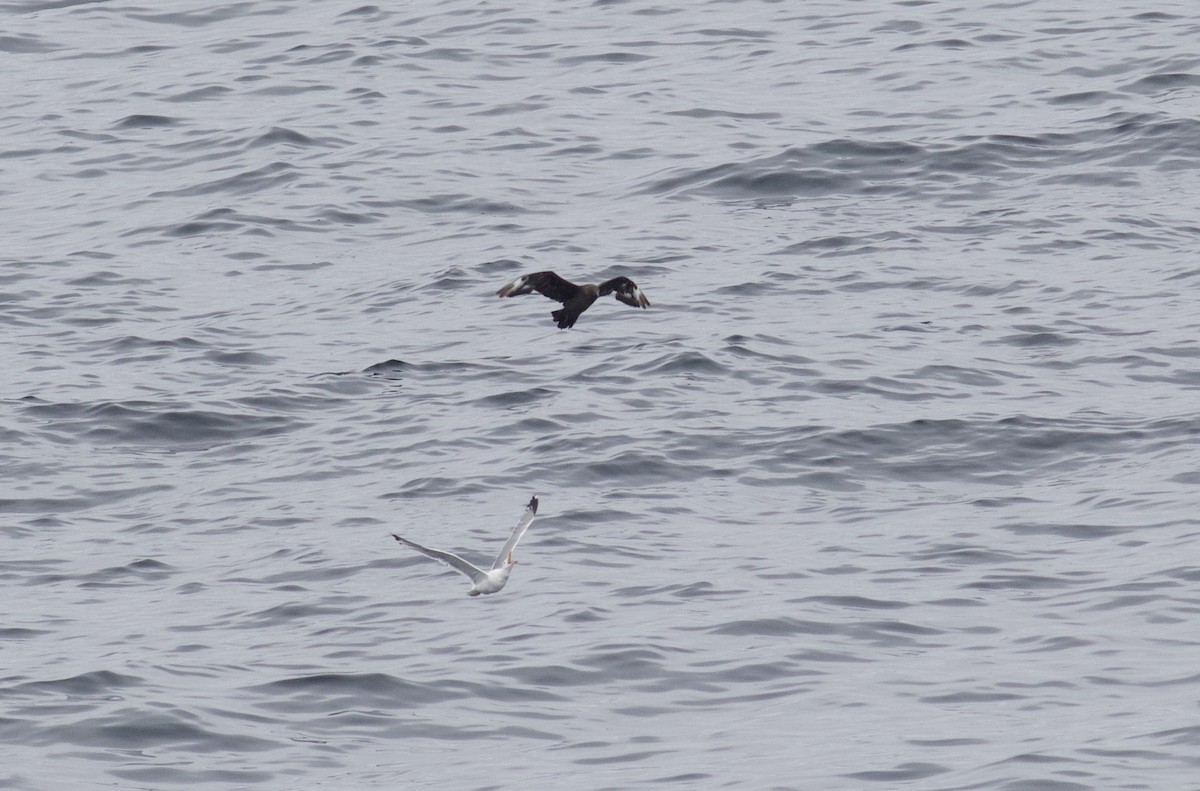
(449, 558)
(626, 291)
(518, 531)
(546, 283)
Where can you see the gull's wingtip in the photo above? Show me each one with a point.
(533, 504)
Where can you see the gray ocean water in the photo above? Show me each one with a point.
(894, 485)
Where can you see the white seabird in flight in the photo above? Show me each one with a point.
(493, 579)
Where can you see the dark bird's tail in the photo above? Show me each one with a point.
(565, 318)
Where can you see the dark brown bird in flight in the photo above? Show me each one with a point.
(575, 299)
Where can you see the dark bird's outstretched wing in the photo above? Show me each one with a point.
(547, 283)
(626, 291)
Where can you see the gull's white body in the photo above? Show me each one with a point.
(494, 578)
(492, 581)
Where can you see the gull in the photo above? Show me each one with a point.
(494, 578)
(575, 299)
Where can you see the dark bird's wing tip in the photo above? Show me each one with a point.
(511, 288)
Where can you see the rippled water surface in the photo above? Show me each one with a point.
(893, 486)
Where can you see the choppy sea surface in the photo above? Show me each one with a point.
(894, 485)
